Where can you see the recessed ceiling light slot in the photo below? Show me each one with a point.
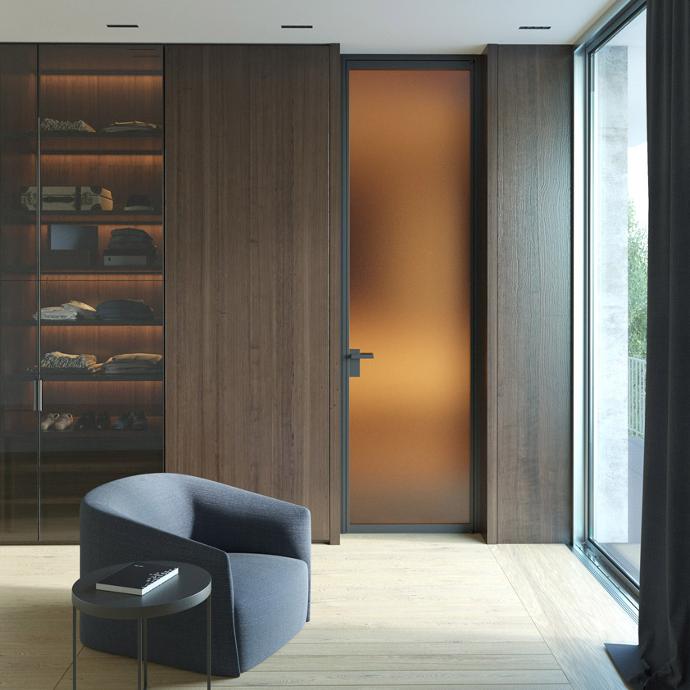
(528, 27)
(122, 26)
(296, 26)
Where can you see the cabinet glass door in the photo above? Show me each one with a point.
(101, 272)
(19, 488)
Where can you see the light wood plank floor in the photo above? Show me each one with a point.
(409, 611)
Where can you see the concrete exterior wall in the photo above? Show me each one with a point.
(609, 239)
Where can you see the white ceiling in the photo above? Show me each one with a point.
(360, 26)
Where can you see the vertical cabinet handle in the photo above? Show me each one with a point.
(38, 395)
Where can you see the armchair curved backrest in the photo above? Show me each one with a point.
(228, 518)
(161, 501)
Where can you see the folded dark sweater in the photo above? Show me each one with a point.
(133, 363)
(132, 234)
(124, 310)
(123, 368)
(131, 240)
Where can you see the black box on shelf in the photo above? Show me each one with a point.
(71, 246)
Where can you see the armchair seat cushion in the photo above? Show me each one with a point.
(271, 594)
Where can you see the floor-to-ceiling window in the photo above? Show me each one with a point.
(617, 289)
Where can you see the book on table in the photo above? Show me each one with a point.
(137, 578)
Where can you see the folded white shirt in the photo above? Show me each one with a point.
(69, 311)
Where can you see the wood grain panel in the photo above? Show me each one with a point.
(529, 293)
(114, 396)
(247, 269)
(100, 99)
(121, 174)
(101, 58)
(94, 289)
(102, 341)
(104, 232)
(573, 613)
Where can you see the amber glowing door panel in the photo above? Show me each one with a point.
(409, 134)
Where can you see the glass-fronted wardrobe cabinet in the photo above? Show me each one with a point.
(81, 278)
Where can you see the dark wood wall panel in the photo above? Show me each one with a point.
(529, 451)
(247, 269)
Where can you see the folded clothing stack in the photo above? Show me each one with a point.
(130, 126)
(133, 363)
(139, 202)
(69, 311)
(62, 360)
(50, 124)
(124, 310)
(131, 241)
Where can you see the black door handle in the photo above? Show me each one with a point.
(354, 357)
(356, 354)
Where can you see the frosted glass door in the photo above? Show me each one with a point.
(410, 296)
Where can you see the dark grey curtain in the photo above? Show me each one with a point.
(662, 660)
(665, 568)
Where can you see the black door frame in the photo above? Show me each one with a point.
(472, 64)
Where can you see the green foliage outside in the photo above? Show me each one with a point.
(637, 286)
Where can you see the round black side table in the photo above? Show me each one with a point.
(191, 587)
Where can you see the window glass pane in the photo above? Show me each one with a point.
(618, 274)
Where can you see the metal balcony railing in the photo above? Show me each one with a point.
(637, 377)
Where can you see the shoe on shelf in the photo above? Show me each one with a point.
(102, 421)
(86, 422)
(64, 421)
(123, 422)
(139, 421)
(48, 420)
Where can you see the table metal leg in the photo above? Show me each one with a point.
(140, 642)
(74, 648)
(208, 643)
(146, 653)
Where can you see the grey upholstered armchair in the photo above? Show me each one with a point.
(257, 550)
